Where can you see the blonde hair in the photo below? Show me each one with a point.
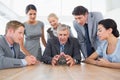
(52, 15)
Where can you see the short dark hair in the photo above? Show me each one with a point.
(110, 23)
(80, 10)
(14, 25)
(29, 7)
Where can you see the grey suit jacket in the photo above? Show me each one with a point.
(93, 19)
(7, 59)
(53, 48)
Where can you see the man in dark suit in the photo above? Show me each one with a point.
(54, 49)
(10, 54)
(85, 24)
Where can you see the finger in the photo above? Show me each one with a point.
(71, 64)
(55, 58)
(68, 62)
(68, 58)
(53, 63)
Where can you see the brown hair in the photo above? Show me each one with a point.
(13, 24)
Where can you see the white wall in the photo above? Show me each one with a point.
(63, 8)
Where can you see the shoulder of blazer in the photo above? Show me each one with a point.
(53, 40)
(95, 14)
(2, 40)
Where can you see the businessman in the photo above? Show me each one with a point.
(62, 46)
(10, 54)
(85, 24)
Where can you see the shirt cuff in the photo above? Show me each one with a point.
(24, 62)
(76, 61)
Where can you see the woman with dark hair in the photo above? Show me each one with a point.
(34, 30)
(107, 54)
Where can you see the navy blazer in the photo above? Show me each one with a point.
(53, 48)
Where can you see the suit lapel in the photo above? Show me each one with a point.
(7, 48)
(57, 45)
(90, 24)
(67, 47)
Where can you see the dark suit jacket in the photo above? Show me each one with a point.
(53, 48)
(7, 59)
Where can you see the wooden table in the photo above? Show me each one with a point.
(47, 72)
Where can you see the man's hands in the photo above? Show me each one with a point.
(69, 59)
(55, 59)
(31, 60)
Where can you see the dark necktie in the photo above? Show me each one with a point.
(88, 43)
(12, 49)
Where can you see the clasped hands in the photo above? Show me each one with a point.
(31, 60)
(69, 60)
(102, 62)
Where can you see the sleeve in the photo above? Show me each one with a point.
(98, 17)
(80, 39)
(24, 62)
(76, 53)
(9, 62)
(47, 55)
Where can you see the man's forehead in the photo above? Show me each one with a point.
(63, 32)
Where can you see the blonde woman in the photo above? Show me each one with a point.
(54, 22)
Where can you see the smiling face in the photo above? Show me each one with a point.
(53, 22)
(63, 36)
(32, 15)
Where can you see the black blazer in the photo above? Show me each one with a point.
(53, 48)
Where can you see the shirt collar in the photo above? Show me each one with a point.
(8, 43)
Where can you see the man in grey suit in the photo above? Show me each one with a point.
(85, 24)
(10, 54)
(54, 48)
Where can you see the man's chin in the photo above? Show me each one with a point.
(62, 43)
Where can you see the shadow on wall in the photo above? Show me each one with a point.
(114, 14)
